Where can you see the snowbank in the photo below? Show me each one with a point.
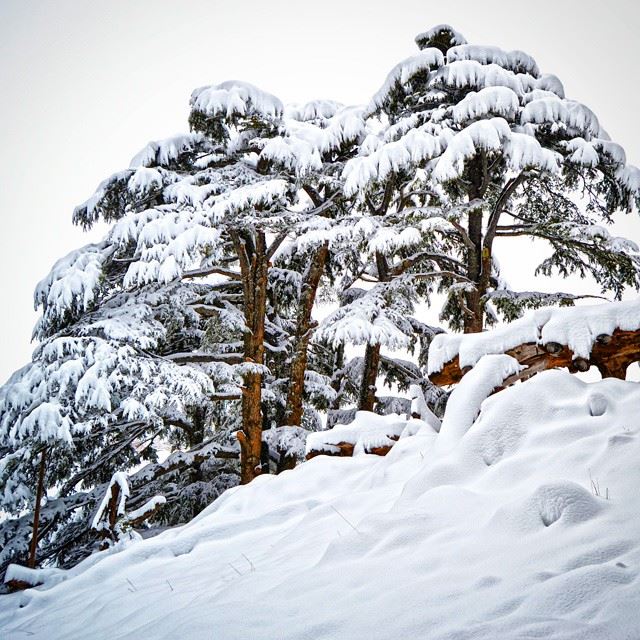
(507, 534)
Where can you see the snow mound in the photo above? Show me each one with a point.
(525, 527)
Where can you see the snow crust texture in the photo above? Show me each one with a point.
(525, 527)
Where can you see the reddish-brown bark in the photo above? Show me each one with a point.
(304, 331)
(253, 257)
(36, 513)
(610, 354)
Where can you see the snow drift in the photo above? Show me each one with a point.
(523, 526)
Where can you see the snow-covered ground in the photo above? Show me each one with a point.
(524, 526)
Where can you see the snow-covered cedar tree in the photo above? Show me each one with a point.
(103, 389)
(190, 326)
(473, 145)
(188, 323)
(236, 206)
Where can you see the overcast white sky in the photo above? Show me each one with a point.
(85, 84)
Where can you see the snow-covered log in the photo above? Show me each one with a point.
(368, 433)
(606, 336)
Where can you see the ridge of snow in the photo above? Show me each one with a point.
(466, 399)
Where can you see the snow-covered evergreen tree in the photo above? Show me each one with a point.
(192, 323)
(101, 391)
(477, 143)
(149, 334)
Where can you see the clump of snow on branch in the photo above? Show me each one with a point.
(404, 71)
(516, 61)
(72, 283)
(377, 317)
(235, 98)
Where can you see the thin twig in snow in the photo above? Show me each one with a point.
(349, 523)
(249, 561)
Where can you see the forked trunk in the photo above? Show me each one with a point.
(254, 267)
(304, 331)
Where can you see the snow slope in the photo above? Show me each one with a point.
(499, 534)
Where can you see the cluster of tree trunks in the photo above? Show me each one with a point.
(610, 354)
(254, 258)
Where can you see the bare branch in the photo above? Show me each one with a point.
(207, 271)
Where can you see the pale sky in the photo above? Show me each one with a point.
(86, 84)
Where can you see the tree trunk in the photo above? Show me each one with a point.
(250, 436)
(36, 513)
(304, 330)
(474, 314)
(372, 352)
(336, 382)
(473, 317)
(369, 376)
(254, 266)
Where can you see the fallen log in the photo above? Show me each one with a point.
(611, 354)
(345, 449)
